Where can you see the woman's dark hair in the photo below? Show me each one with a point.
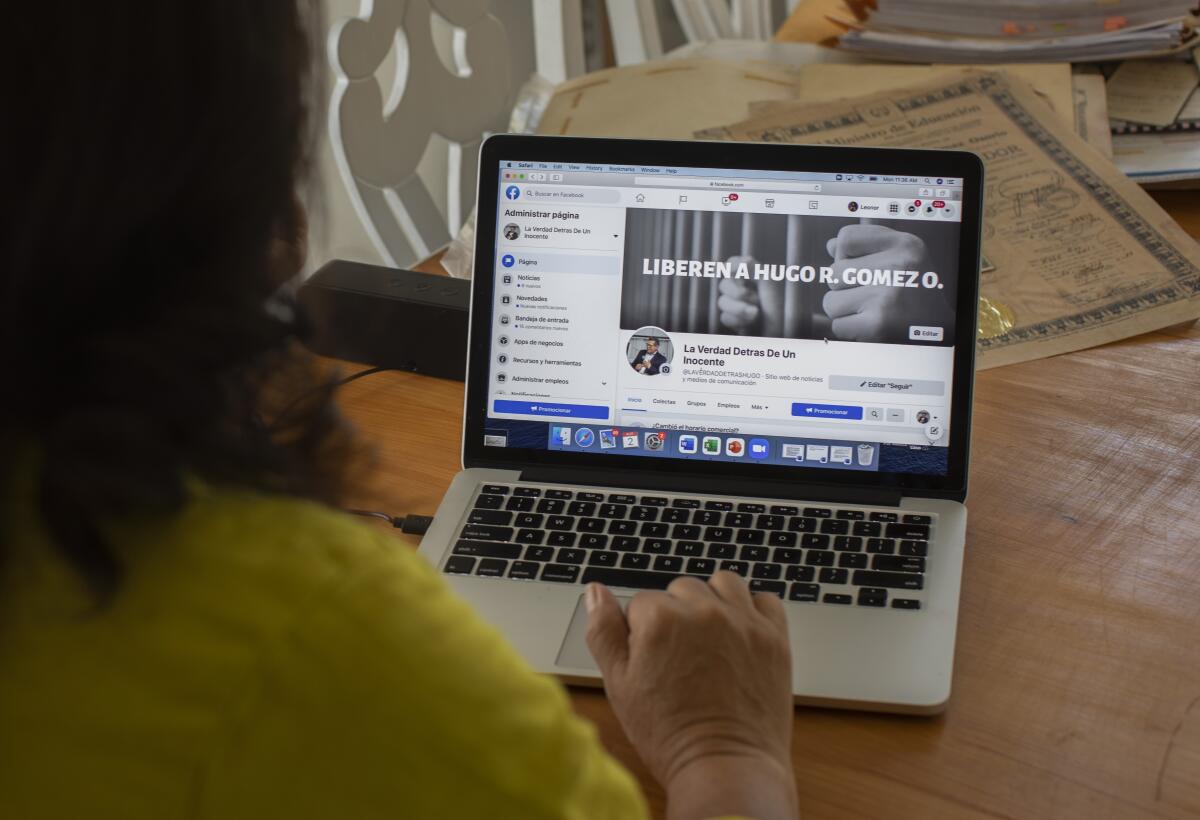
(154, 153)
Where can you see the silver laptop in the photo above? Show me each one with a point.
(691, 356)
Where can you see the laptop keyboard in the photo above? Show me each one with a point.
(834, 554)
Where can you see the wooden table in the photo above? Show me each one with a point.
(1077, 676)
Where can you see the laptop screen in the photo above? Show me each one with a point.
(787, 318)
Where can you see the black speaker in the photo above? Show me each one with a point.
(386, 317)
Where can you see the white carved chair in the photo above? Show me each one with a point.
(416, 86)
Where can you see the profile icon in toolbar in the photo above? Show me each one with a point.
(512, 192)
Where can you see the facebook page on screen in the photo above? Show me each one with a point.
(782, 318)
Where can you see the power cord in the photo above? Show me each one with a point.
(411, 524)
(290, 406)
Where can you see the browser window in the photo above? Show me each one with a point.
(783, 318)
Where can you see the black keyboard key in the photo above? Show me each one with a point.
(520, 504)
(612, 511)
(527, 492)
(787, 556)
(835, 526)
(867, 528)
(617, 527)
(686, 503)
(653, 501)
(802, 524)
(763, 585)
(800, 574)
(689, 549)
(460, 564)
(918, 532)
(489, 502)
(706, 517)
(722, 534)
(833, 598)
(581, 508)
(927, 520)
(561, 573)
(569, 556)
(593, 541)
(891, 580)
(551, 505)
(770, 522)
(701, 566)
(668, 563)
(814, 541)
(626, 543)
(529, 520)
(833, 575)
(819, 558)
(784, 509)
(851, 515)
(478, 516)
(918, 548)
(589, 496)
(656, 546)
(530, 536)
(673, 515)
(590, 525)
(723, 506)
(852, 560)
(492, 568)
(721, 550)
(782, 539)
(628, 578)
(804, 592)
(754, 554)
(872, 596)
(768, 572)
(740, 567)
(651, 529)
(885, 517)
(602, 558)
(487, 549)
(619, 498)
(847, 543)
(898, 563)
(737, 520)
(689, 532)
(755, 537)
(905, 603)
(818, 512)
(560, 495)
(751, 507)
(560, 522)
(497, 489)
(881, 546)
(635, 560)
(485, 532)
(644, 513)
(561, 539)
(524, 570)
(539, 553)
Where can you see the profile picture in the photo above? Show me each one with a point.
(922, 417)
(512, 231)
(853, 206)
(649, 351)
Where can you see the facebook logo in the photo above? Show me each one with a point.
(512, 192)
(759, 448)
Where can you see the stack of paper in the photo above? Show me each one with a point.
(1155, 117)
(992, 31)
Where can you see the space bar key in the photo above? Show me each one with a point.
(632, 578)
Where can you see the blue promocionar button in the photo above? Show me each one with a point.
(826, 411)
(562, 411)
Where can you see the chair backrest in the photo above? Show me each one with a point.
(637, 24)
(417, 85)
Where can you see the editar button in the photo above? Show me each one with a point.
(918, 333)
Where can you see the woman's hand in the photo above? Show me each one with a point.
(700, 678)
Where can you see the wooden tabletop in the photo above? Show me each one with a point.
(1077, 673)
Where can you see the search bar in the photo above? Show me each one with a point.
(729, 184)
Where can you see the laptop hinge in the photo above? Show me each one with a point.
(741, 487)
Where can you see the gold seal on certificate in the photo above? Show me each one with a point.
(995, 318)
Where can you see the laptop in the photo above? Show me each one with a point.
(694, 356)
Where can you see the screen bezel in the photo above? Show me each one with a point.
(731, 155)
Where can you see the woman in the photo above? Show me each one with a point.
(188, 627)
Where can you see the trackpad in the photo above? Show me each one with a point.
(574, 652)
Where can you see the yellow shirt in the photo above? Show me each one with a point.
(271, 658)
